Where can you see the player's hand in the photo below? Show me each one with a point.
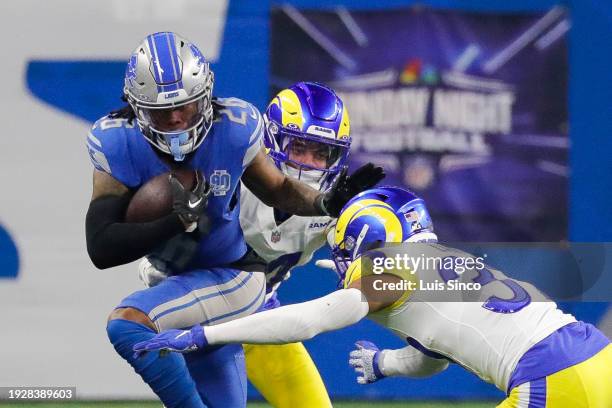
(191, 205)
(149, 275)
(180, 341)
(365, 361)
(346, 187)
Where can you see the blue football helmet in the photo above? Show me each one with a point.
(167, 73)
(308, 133)
(378, 216)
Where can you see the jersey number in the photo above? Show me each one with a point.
(495, 304)
(242, 118)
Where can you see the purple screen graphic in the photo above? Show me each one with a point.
(469, 110)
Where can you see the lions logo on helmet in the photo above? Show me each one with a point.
(378, 216)
(308, 133)
(168, 72)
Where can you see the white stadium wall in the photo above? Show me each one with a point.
(53, 314)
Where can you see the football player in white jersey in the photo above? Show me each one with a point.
(506, 331)
(308, 137)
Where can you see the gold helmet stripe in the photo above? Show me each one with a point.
(291, 108)
(376, 208)
(345, 125)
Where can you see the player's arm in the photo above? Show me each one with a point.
(410, 362)
(275, 189)
(372, 364)
(111, 241)
(287, 324)
(303, 321)
(294, 197)
(376, 290)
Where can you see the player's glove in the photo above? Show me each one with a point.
(191, 205)
(346, 187)
(365, 361)
(150, 275)
(180, 341)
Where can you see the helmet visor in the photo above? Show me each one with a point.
(174, 119)
(309, 153)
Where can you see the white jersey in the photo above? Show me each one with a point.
(478, 329)
(284, 246)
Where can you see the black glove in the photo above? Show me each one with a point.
(346, 187)
(190, 205)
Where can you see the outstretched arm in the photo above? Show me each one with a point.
(277, 190)
(286, 324)
(294, 197)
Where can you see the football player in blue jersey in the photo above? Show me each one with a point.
(172, 122)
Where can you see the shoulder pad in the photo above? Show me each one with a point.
(237, 112)
(245, 124)
(107, 146)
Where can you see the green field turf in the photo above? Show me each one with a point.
(343, 404)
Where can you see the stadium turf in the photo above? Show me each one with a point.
(343, 404)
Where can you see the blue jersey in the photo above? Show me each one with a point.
(119, 149)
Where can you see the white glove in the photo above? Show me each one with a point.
(149, 275)
(326, 264)
(365, 361)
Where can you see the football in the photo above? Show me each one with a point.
(154, 198)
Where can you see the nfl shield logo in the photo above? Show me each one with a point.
(413, 218)
(276, 236)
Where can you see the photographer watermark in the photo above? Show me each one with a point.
(493, 273)
(403, 263)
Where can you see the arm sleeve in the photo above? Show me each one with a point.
(111, 242)
(410, 362)
(293, 323)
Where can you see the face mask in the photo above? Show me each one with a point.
(310, 177)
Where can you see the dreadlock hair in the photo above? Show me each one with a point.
(126, 112)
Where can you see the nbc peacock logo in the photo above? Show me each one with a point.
(416, 72)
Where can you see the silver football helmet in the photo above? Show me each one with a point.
(168, 84)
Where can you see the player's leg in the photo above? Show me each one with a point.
(531, 394)
(586, 384)
(180, 302)
(167, 376)
(583, 385)
(220, 375)
(286, 376)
